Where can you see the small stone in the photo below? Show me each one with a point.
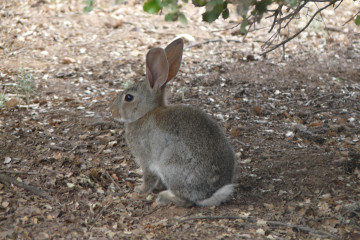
(351, 120)
(235, 132)
(260, 231)
(289, 134)
(7, 160)
(11, 103)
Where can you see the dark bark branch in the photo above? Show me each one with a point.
(211, 41)
(351, 18)
(276, 13)
(296, 34)
(6, 179)
(294, 13)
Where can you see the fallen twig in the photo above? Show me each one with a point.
(296, 195)
(216, 218)
(58, 148)
(77, 146)
(273, 223)
(99, 214)
(302, 131)
(302, 228)
(118, 188)
(211, 41)
(324, 96)
(20, 172)
(6, 179)
(103, 123)
(152, 211)
(351, 18)
(333, 29)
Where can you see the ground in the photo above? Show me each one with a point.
(293, 119)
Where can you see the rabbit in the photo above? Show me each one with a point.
(179, 148)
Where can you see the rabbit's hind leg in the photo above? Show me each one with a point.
(150, 182)
(160, 186)
(167, 197)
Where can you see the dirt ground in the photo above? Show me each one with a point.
(66, 171)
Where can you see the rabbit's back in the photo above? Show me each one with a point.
(185, 147)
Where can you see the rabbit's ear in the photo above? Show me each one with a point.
(174, 53)
(157, 67)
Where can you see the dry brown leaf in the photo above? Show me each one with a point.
(235, 132)
(67, 60)
(13, 102)
(286, 114)
(257, 110)
(315, 124)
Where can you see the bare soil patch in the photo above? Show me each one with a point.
(295, 125)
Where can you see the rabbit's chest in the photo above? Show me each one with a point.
(138, 146)
(153, 146)
(140, 142)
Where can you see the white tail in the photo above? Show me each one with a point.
(218, 197)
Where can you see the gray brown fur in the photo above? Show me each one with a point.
(178, 147)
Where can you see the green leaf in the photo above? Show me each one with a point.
(199, 3)
(89, 6)
(357, 20)
(87, 9)
(152, 6)
(210, 16)
(261, 6)
(183, 19)
(292, 2)
(213, 10)
(225, 13)
(167, 3)
(171, 16)
(244, 23)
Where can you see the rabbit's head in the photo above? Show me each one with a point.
(144, 96)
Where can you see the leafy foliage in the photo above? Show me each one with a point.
(154, 6)
(2, 99)
(26, 84)
(357, 20)
(282, 12)
(89, 5)
(213, 8)
(250, 10)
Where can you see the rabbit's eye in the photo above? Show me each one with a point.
(128, 97)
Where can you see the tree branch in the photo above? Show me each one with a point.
(296, 11)
(211, 41)
(351, 18)
(296, 34)
(276, 13)
(6, 179)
